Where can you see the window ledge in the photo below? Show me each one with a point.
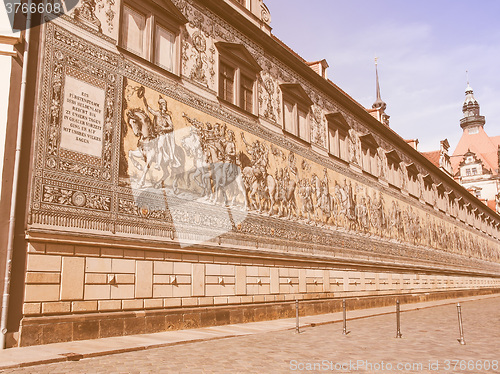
(141, 60)
(296, 138)
(337, 158)
(237, 108)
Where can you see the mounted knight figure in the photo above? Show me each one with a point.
(156, 143)
(261, 185)
(164, 127)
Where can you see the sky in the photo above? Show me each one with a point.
(424, 49)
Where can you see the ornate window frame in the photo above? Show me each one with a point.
(299, 104)
(338, 130)
(237, 65)
(158, 14)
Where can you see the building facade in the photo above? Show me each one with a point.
(476, 159)
(183, 167)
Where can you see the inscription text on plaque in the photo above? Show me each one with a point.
(83, 117)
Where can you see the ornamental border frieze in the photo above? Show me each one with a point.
(92, 30)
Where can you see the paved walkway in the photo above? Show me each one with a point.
(429, 345)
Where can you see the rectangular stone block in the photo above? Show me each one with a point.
(125, 278)
(36, 262)
(264, 271)
(154, 255)
(98, 265)
(132, 304)
(56, 308)
(172, 302)
(302, 280)
(62, 249)
(227, 270)
(153, 303)
(213, 290)
(275, 281)
(111, 252)
(122, 291)
(182, 268)
(220, 300)
(182, 291)
(189, 258)
(106, 305)
(198, 280)
(326, 281)
(72, 278)
(162, 290)
(212, 269)
(41, 292)
(83, 306)
(95, 278)
(86, 251)
(97, 291)
(241, 280)
(189, 301)
(163, 267)
(122, 266)
(144, 279)
(234, 300)
(205, 301)
(227, 290)
(133, 253)
(252, 271)
(32, 308)
(42, 278)
(161, 279)
(36, 248)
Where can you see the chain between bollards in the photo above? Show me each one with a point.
(297, 330)
(398, 320)
(344, 331)
(460, 325)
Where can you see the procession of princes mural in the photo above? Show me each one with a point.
(168, 146)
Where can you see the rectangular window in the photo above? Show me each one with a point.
(151, 33)
(303, 126)
(246, 92)
(164, 48)
(289, 117)
(467, 172)
(474, 171)
(226, 82)
(333, 142)
(134, 31)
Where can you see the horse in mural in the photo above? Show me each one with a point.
(216, 179)
(346, 205)
(261, 190)
(148, 151)
(325, 201)
(200, 172)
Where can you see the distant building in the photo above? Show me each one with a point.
(476, 159)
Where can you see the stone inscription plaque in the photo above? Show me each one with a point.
(83, 117)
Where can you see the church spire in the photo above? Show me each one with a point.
(379, 103)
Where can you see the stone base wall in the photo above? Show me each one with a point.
(46, 330)
(77, 292)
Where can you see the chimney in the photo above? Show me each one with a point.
(319, 67)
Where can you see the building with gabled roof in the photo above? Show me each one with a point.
(476, 159)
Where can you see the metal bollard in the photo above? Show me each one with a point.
(398, 320)
(460, 325)
(297, 330)
(344, 331)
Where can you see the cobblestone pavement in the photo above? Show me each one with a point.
(429, 345)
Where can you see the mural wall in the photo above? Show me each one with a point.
(170, 147)
(126, 152)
